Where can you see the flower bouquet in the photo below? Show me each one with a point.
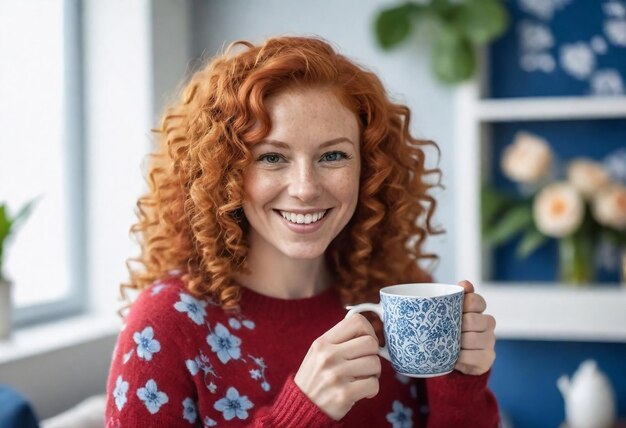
(580, 204)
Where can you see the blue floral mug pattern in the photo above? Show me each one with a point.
(422, 327)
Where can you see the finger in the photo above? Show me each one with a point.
(474, 302)
(363, 388)
(349, 328)
(477, 341)
(475, 362)
(468, 286)
(358, 347)
(363, 367)
(477, 322)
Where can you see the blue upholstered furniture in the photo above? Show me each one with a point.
(15, 410)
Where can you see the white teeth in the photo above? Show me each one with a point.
(303, 218)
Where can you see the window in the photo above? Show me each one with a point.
(42, 155)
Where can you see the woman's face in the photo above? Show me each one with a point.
(302, 187)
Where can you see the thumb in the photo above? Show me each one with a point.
(468, 286)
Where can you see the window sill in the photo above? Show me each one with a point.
(40, 339)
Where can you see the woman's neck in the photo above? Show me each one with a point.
(274, 274)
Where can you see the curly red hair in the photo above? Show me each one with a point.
(191, 219)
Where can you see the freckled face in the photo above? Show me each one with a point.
(303, 185)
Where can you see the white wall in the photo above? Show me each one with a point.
(348, 25)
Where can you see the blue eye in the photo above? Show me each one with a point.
(270, 158)
(335, 156)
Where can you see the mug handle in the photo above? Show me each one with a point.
(383, 351)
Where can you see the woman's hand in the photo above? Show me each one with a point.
(341, 367)
(477, 334)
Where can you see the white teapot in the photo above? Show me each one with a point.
(589, 398)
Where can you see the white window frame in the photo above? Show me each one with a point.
(75, 301)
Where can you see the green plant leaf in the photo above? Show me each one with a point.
(482, 20)
(453, 55)
(531, 240)
(25, 211)
(492, 203)
(512, 222)
(393, 25)
(5, 224)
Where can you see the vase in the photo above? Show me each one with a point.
(576, 260)
(5, 309)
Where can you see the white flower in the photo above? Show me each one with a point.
(233, 405)
(615, 164)
(615, 30)
(528, 159)
(587, 176)
(208, 422)
(614, 9)
(190, 412)
(224, 344)
(121, 387)
(255, 374)
(535, 37)
(543, 9)
(193, 307)
(400, 416)
(609, 207)
(558, 210)
(146, 344)
(607, 82)
(152, 397)
(598, 44)
(578, 60)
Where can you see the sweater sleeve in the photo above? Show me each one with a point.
(460, 401)
(293, 409)
(148, 384)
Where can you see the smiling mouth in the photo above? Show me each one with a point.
(303, 218)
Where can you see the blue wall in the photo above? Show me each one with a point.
(525, 373)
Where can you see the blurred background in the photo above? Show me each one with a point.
(520, 95)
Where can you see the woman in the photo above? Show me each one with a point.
(286, 186)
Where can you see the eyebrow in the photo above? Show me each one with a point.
(283, 145)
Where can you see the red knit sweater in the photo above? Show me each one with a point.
(185, 362)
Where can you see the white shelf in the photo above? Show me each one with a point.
(562, 108)
(552, 312)
(527, 311)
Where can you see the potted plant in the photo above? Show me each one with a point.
(456, 28)
(8, 225)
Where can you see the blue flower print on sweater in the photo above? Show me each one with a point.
(152, 397)
(146, 343)
(400, 416)
(208, 422)
(193, 307)
(202, 363)
(224, 344)
(119, 393)
(190, 412)
(233, 405)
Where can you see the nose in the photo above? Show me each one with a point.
(305, 183)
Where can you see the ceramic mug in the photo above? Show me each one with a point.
(422, 327)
